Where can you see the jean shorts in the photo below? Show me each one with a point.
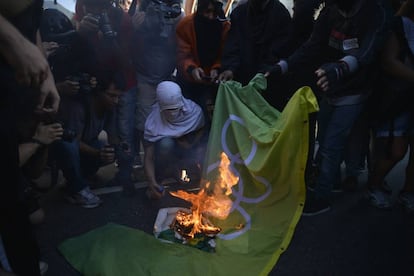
(403, 126)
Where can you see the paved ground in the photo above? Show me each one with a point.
(352, 239)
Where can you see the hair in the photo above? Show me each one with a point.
(107, 77)
(202, 5)
(99, 2)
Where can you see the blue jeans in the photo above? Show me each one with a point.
(126, 119)
(166, 152)
(357, 149)
(75, 167)
(335, 124)
(170, 157)
(146, 97)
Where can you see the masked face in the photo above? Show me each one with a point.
(171, 114)
(345, 5)
(258, 5)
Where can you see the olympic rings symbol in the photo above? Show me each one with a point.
(235, 158)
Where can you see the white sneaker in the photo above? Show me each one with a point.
(43, 266)
(137, 164)
(86, 198)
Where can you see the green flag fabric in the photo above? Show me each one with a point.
(267, 150)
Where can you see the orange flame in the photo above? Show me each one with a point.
(205, 203)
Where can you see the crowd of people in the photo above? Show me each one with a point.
(147, 75)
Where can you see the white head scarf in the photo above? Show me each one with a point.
(172, 115)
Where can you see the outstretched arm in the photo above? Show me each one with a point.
(29, 64)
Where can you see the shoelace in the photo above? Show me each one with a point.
(88, 194)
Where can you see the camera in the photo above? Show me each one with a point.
(68, 135)
(105, 25)
(171, 10)
(84, 82)
(48, 118)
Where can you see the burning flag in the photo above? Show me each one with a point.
(213, 200)
(267, 152)
(215, 203)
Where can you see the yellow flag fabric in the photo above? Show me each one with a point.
(268, 151)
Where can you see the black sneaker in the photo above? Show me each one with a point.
(315, 207)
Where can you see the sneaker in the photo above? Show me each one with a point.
(407, 201)
(137, 164)
(379, 198)
(315, 207)
(43, 267)
(86, 198)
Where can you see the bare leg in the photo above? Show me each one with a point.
(409, 170)
(385, 160)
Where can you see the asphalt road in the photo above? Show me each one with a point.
(353, 239)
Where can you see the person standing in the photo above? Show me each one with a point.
(394, 130)
(259, 35)
(345, 44)
(200, 39)
(154, 53)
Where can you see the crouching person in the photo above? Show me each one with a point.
(81, 153)
(174, 130)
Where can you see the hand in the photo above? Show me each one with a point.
(214, 75)
(68, 87)
(197, 74)
(330, 73)
(49, 47)
(88, 25)
(29, 63)
(47, 134)
(225, 76)
(49, 98)
(268, 70)
(107, 154)
(138, 18)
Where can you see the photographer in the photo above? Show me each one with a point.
(108, 30)
(81, 156)
(70, 57)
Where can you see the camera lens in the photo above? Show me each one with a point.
(68, 135)
(106, 27)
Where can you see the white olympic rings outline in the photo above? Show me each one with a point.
(238, 194)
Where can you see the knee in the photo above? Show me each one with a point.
(66, 149)
(165, 147)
